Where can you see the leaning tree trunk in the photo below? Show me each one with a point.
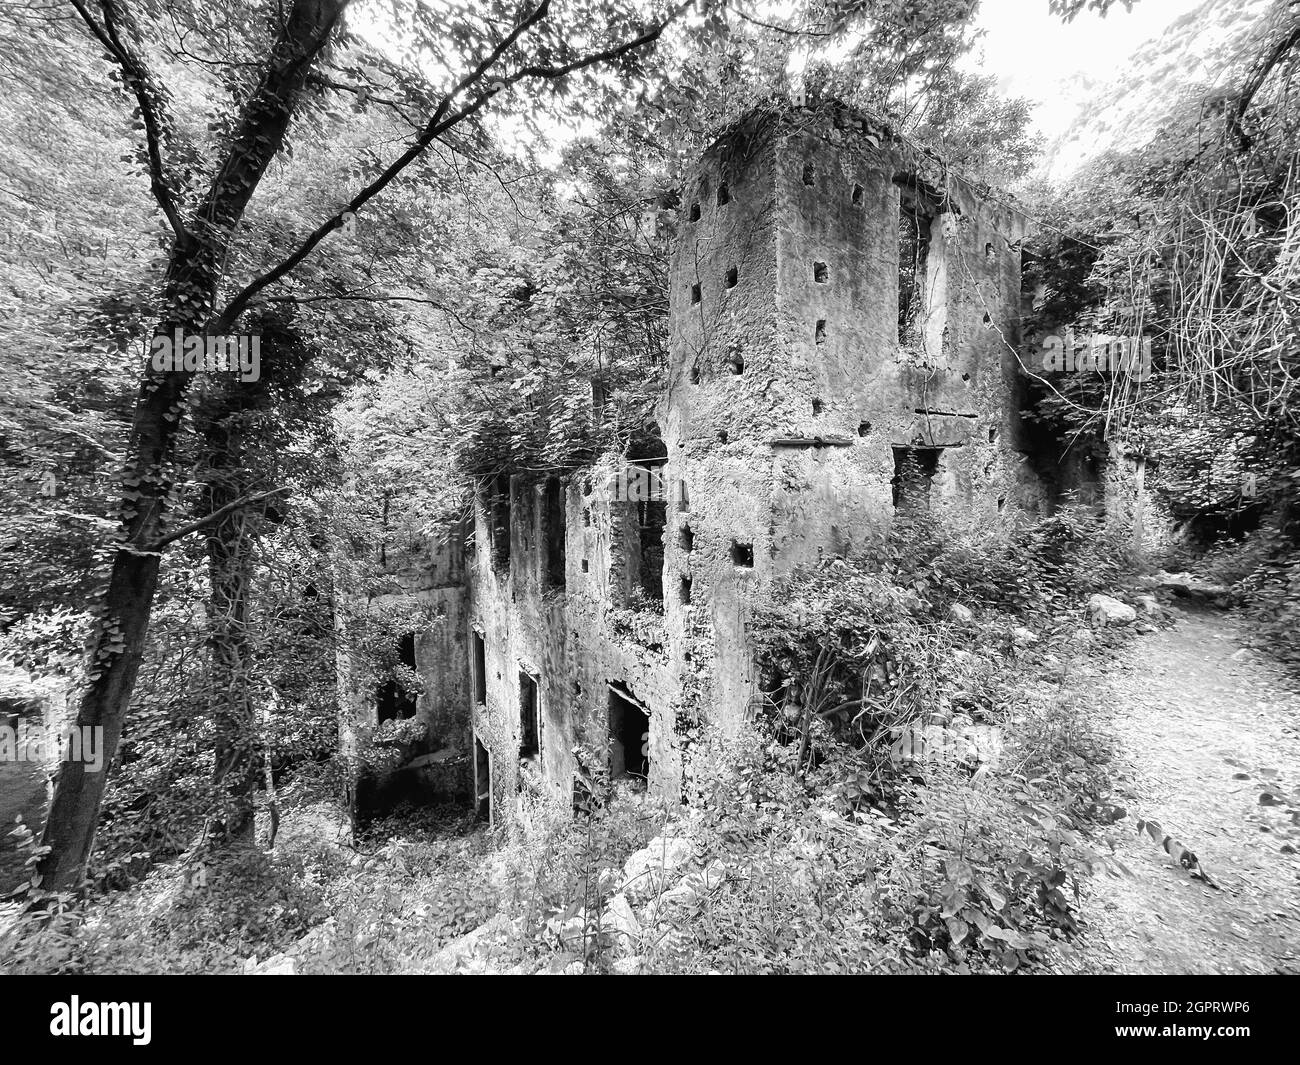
(189, 294)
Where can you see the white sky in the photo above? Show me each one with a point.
(1033, 53)
(1038, 56)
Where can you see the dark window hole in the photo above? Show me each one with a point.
(479, 677)
(529, 722)
(629, 733)
(914, 470)
(395, 702)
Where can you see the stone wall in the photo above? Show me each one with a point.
(574, 641)
(798, 398)
(427, 576)
(792, 395)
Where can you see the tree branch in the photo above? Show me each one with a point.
(136, 78)
(443, 119)
(1264, 67)
(359, 297)
(211, 519)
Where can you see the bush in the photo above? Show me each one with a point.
(189, 918)
(864, 649)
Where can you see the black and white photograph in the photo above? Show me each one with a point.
(650, 487)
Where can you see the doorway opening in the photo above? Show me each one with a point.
(629, 734)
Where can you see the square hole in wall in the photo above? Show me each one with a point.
(684, 591)
(864, 428)
(742, 554)
(857, 194)
(733, 275)
(696, 293)
(993, 436)
(820, 273)
(809, 173)
(819, 332)
(724, 195)
(586, 566)
(695, 212)
(816, 406)
(686, 539)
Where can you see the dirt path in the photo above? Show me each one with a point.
(1207, 729)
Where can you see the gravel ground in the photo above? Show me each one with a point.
(1209, 747)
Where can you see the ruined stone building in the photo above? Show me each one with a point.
(844, 315)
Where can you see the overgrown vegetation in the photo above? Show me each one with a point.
(457, 280)
(944, 819)
(1188, 240)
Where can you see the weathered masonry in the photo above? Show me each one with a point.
(844, 317)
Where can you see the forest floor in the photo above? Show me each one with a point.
(1208, 735)
(1204, 739)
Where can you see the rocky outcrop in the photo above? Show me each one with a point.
(1186, 586)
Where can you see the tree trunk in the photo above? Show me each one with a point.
(230, 543)
(189, 294)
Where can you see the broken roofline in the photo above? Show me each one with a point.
(923, 163)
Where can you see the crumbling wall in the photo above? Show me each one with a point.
(574, 641)
(798, 385)
(428, 574)
(792, 393)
